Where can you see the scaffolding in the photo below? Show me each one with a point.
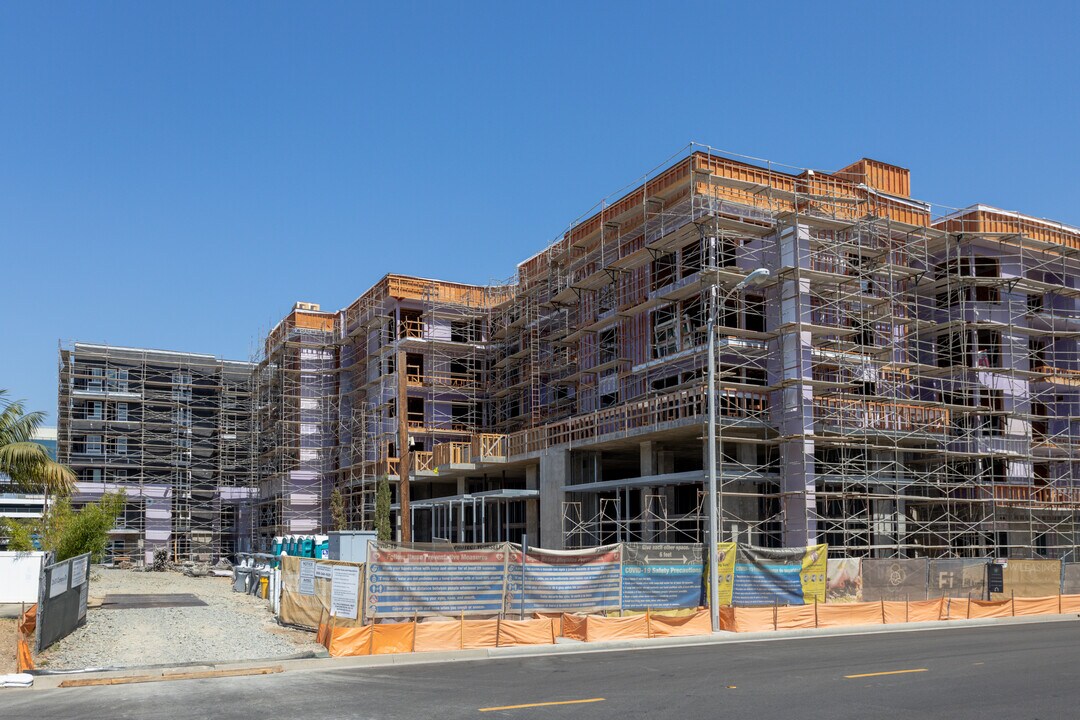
(172, 430)
(904, 385)
(297, 416)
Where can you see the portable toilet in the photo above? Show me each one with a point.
(307, 546)
(322, 547)
(290, 545)
(275, 550)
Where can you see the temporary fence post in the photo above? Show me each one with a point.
(461, 631)
(1059, 603)
(524, 550)
(969, 605)
(1014, 603)
(498, 628)
(815, 612)
(774, 613)
(648, 623)
(882, 611)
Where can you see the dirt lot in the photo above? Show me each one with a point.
(232, 626)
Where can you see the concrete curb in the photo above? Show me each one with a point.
(44, 682)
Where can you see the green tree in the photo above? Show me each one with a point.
(69, 532)
(337, 509)
(382, 509)
(25, 461)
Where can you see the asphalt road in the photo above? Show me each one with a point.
(1020, 671)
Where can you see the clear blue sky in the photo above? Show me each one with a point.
(176, 175)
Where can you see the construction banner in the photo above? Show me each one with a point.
(1070, 579)
(571, 580)
(726, 553)
(843, 580)
(779, 576)
(409, 583)
(1030, 579)
(957, 578)
(894, 579)
(662, 576)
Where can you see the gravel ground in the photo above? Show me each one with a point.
(8, 641)
(232, 626)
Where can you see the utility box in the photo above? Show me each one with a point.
(351, 545)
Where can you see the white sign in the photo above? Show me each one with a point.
(324, 571)
(58, 580)
(344, 590)
(307, 577)
(78, 571)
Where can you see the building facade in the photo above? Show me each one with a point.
(904, 384)
(901, 386)
(174, 431)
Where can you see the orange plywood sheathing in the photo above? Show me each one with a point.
(574, 626)
(390, 638)
(479, 634)
(435, 636)
(514, 633)
(586, 233)
(599, 628)
(982, 219)
(312, 321)
(405, 287)
(881, 176)
(661, 625)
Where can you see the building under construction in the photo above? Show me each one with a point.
(174, 431)
(906, 382)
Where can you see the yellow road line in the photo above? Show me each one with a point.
(887, 672)
(541, 704)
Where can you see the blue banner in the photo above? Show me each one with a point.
(404, 583)
(662, 576)
(565, 581)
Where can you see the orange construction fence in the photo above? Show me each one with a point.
(27, 626)
(543, 629)
(389, 638)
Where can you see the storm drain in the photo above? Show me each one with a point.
(134, 602)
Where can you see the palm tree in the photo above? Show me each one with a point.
(25, 461)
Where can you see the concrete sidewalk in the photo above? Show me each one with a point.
(563, 647)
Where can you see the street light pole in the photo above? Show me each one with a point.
(753, 278)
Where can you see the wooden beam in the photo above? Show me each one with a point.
(202, 674)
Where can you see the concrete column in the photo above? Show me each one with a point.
(532, 507)
(554, 475)
(648, 467)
